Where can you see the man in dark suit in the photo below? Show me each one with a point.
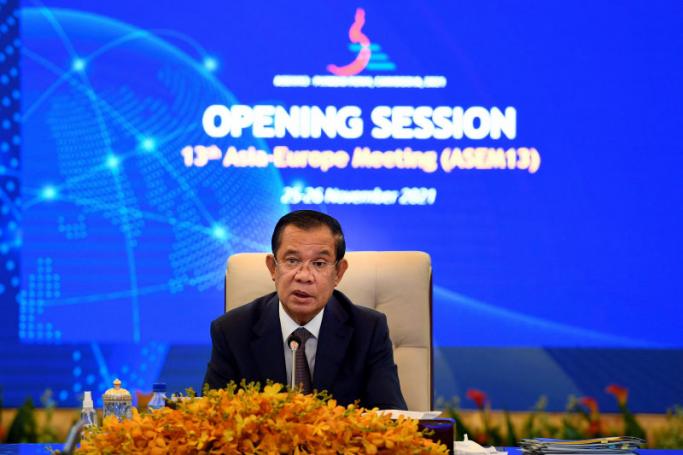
(345, 349)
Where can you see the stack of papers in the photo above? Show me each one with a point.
(613, 445)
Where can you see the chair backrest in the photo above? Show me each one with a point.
(397, 283)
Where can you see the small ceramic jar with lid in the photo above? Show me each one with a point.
(117, 402)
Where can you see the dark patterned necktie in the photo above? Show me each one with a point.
(302, 374)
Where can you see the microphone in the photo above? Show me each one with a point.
(294, 342)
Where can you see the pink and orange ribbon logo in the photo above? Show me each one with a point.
(364, 54)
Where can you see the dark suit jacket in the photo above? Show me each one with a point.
(354, 359)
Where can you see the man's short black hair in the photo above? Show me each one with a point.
(310, 219)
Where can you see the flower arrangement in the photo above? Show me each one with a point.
(248, 420)
(481, 400)
(582, 420)
(631, 425)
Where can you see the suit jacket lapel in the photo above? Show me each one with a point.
(266, 346)
(335, 336)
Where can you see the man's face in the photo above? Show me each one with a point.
(305, 289)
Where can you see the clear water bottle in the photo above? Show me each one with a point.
(158, 400)
(88, 413)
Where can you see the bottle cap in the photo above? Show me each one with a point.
(87, 399)
(159, 387)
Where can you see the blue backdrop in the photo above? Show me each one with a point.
(563, 267)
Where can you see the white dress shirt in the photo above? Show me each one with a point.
(289, 325)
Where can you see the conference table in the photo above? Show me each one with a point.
(43, 449)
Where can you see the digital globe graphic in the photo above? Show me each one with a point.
(124, 247)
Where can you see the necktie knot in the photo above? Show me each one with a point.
(304, 334)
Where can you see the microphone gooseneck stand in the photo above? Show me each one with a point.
(294, 342)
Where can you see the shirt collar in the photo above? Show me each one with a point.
(289, 325)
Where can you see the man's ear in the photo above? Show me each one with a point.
(270, 263)
(341, 270)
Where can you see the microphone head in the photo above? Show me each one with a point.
(293, 341)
